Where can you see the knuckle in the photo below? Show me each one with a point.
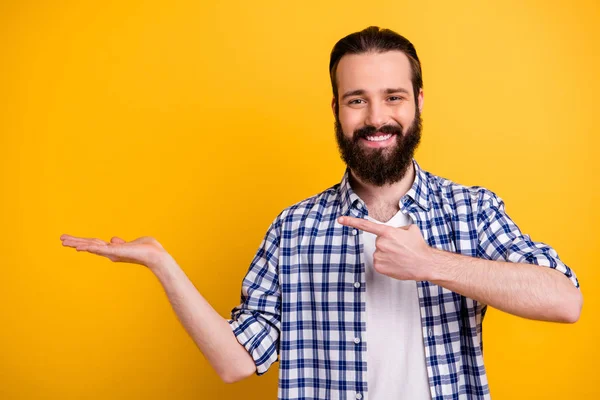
(379, 266)
(382, 244)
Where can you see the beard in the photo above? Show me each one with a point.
(380, 166)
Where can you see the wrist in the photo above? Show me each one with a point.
(162, 262)
(436, 267)
(447, 268)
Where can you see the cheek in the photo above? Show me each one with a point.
(405, 116)
(351, 120)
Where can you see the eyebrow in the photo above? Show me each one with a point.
(360, 92)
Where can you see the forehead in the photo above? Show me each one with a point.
(373, 71)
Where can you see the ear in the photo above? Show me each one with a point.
(333, 105)
(421, 100)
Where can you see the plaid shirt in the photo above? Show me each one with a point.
(303, 298)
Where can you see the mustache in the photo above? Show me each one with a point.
(369, 130)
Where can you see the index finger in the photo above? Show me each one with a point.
(363, 225)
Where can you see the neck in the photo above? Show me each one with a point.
(390, 194)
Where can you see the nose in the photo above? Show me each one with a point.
(377, 115)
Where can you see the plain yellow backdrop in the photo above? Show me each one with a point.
(198, 122)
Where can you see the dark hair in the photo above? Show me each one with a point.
(377, 40)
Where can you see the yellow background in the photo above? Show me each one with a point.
(197, 122)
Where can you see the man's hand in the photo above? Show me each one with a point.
(145, 250)
(211, 333)
(400, 253)
(527, 290)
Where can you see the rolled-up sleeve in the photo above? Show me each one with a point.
(256, 321)
(501, 239)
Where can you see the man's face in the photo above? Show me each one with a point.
(378, 126)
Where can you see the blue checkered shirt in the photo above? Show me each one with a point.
(303, 298)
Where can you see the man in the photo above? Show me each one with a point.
(377, 287)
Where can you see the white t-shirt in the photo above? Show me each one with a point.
(395, 352)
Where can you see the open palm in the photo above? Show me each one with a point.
(144, 250)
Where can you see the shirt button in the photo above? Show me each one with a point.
(438, 390)
(358, 396)
(357, 284)
(356, 340)
(430, 332)
(354, 232)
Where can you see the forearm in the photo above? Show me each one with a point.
(526, 290)
(211, 332)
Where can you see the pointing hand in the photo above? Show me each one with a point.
(400, 253)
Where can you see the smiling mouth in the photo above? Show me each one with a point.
(379, 138)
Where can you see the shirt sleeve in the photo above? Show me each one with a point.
(501, 239)
(256, 321)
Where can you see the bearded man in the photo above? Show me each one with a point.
(378, 286)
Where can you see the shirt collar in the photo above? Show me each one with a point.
(348, 198)
(418, 193)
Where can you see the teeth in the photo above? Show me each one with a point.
(379, 138)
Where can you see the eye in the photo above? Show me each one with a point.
(355, 101)
(395, 98)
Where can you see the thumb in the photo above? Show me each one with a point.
(117, 240)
